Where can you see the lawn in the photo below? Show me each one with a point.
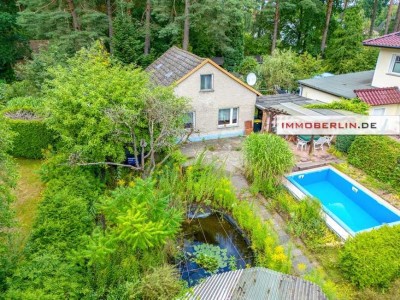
(28, 195)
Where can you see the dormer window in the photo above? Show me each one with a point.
(206, 82)
(396, 64)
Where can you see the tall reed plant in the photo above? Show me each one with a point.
(267, 157)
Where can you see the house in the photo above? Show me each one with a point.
(220, 103)
(379, 88)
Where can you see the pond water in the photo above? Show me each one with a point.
(216, 230)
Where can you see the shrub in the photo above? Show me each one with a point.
(343, 142)
(307, 222)
(372, 259)
(378, 156)
(32, 134)
(161, 284)
(267, 157)
(50, 269)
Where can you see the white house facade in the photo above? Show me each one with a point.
(379, 88)
(220, 103)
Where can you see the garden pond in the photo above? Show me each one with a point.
(212, 243)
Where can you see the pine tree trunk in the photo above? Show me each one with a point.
(186, 26)
(276, 26)
(110, 25)
(389, 17)
(147, 26)
(326, 28)
(397, 24)
(373, 18)
(75, 21)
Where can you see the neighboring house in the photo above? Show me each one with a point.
(220, 102)
(379, 88)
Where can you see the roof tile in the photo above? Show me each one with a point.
(175, 63)
(379, 96)
(391, 40)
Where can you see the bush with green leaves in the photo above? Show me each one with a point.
(306, 220)
(8, 179)
(372, 259)
(267, 158)
(51, 268)
(378, 156)
(32, 134)
(161, 283)
(343, 142)
(354, 105)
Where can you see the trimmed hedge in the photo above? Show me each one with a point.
(31, 135)
(343, 142)
(372, 259)
(378, 156)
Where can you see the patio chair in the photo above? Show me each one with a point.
(301, 144)
(328, 140)
(319, 144)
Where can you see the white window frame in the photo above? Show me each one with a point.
(212, 83)
(392, 63)
(231, 124)
(381, 109)
(194, 120)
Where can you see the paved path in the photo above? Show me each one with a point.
(228, 152)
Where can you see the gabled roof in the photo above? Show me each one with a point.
(255, 284)
(391, 40)
(379, 96)
(341, 85)
(175, 65)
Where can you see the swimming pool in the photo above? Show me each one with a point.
(350, 208)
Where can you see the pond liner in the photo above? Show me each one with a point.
(232, 221)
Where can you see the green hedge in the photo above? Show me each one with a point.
(31, 135)
(378, 156)
(372, 259)
(51, 268)
(343, 142)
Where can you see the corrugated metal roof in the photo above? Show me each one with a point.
(253, 284)
(379, 96)
(391, 40)
(341, 85)
(173, 65)
(293, 105)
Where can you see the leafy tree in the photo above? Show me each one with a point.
(284, 67)
(12, 44)
(101, 109)
(8, 181)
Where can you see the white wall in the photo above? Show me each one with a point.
(314, 94)
(390, 110)
(227, 93)
(382, 75)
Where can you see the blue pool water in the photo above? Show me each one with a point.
(353, 207)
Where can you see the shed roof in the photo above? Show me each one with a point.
(254, 284)
(391, 40)
(173, 65)
(379, 96)
(341, 85)
(292, 104)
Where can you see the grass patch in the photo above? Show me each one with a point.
(28, 195)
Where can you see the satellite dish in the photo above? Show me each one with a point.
(251, 79)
